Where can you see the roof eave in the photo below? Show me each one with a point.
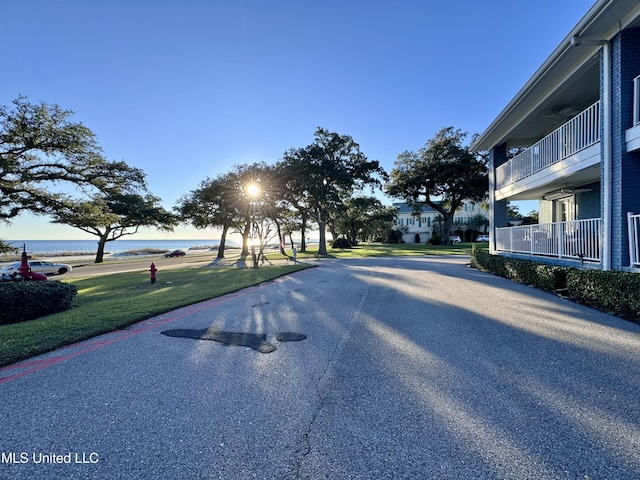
(498, 130)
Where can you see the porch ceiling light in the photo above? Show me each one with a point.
(564, 193)
(556, 195)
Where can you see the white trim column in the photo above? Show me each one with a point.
(607, 191)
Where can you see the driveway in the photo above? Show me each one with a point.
(411, 368)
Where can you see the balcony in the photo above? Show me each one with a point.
(578, 239)
(556, 149)
(632, 135)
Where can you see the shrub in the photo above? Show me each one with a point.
(546, 277)
(616, 292)
(609, 291)
(435, 239)
(29, 300)
(341, 243)
(394, 236)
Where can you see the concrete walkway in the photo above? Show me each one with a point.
(412, 368)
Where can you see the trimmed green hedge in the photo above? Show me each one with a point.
(546, 277)
(30, 300)
(609, 291)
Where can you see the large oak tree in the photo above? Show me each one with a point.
(442, 175)
(365, 218)
(44, 154)
(41, 147)
(324, 174)
(214, 203)
(114, 216)
(246, 199)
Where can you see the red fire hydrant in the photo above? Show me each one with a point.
(153, 271)
(25, 270)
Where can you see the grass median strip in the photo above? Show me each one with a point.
(109, 302)
(384, 250)
(400, 250)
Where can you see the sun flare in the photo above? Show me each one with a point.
(253, 190)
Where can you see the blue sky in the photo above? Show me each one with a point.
(186, 89)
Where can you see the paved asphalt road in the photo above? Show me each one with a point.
(85, 267)
(413, 368)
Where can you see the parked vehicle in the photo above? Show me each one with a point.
(482, 238)
(455, 239)
(38, 266)
(175, 253)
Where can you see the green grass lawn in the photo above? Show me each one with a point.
(403, 249)
(109, 302)
(381, 250)
(105, 303)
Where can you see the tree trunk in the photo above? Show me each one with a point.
(448, 224)
(245, 240)
(101, 243)
(303, 232)
(322, 247)
(223, 239)
(332, 230)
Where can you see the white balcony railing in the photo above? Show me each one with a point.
(633, 224)
(579, 133)
(579, 239)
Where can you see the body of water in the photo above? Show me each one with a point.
(61, 247)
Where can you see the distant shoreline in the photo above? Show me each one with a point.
(74, 258)
(89, 247)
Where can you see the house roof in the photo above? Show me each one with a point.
(405, 208)
(566, 83)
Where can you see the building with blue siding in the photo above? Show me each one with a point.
(575, 126)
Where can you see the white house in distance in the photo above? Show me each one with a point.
(578, 120)
(423, 224)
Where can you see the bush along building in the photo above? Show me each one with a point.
(419, 227)
(577, 123)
